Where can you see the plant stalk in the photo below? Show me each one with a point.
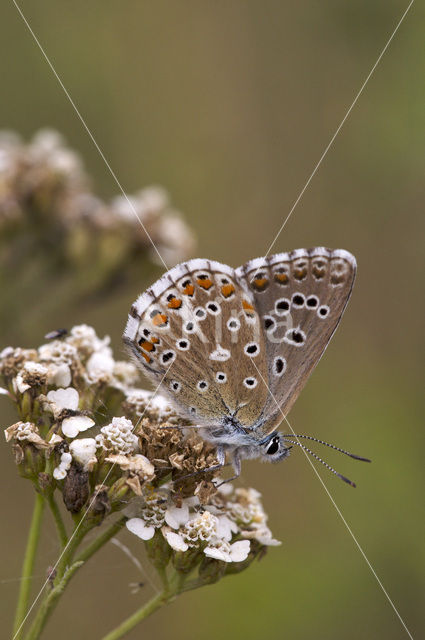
(60, 526)
(50, 602)
(28, 566)
(175, 586)
(125, 627)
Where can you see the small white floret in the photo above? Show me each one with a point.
(65, 462)
(100, 365)
(176, 541)
(66, 459)
(84, 451)
(19, 384)
(177, 516)
(219, 552)
(239, 550)
(222, 550)
(226, 527)
(63, 399)
(59, 473)
(59, 375)
(71, 427)
(139, 528)
(35, 367)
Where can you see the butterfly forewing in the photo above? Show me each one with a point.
(300, 297)
(196, 331)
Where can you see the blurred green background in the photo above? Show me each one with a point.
(229, 105)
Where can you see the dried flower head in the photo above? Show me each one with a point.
(45, 197)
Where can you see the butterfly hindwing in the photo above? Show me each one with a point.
(300, 297)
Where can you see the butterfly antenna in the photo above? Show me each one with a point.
(325, 464)
(327, 444)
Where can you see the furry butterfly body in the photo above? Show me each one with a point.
(233, 348)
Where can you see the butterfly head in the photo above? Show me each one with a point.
(273, 449)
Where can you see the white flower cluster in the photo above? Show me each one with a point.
(26, 168)
(174, 238)
(154, 406)
(83, 344)
(147, 476)
(54, 360)
(118, 437)
(29, 369)
(52, 367)
(24, 431)
(222, 529)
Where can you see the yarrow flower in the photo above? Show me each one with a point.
(118, 437)
(213, 529)
(25, 432)
(113, 450)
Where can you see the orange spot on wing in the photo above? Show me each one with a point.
(205, 284)
(188, 290)
(175, 303)
(247, 305)
(160, 319)
(282, 278)
(154, 340)
(227, 290)
(260, 283)
(300, 273)
(248, 308)
(146, 357)
(147, 346)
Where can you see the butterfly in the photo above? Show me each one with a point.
(233, 348)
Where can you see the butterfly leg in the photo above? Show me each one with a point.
(236, 461)
(186, 426)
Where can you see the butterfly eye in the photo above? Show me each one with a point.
(274, 446)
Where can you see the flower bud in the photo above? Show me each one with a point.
(256, 551)
(186, 561)
(32, 460)
(158, 550)
(119, 493)
(46, 483)
(211, 570)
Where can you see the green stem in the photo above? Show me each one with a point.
(60, 526)
(175, 587)
(77, 536)
(28, 565)
(65, 570)
(104, 537)
(129, 624)
(50, 602)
